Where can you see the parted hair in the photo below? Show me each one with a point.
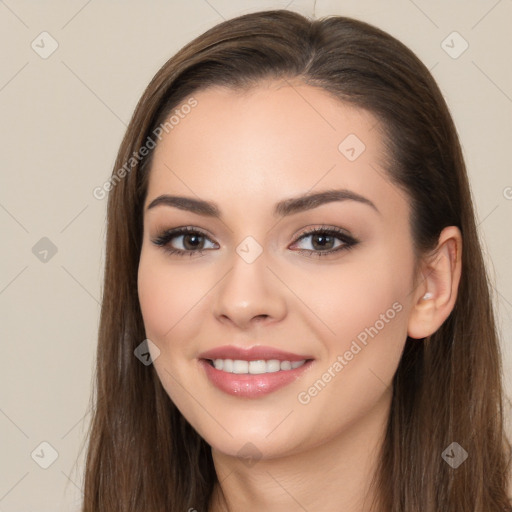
(142, 455)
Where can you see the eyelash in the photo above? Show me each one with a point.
(165, 238)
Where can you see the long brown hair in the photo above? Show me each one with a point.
(142, 453)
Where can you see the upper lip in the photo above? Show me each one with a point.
(251, 354)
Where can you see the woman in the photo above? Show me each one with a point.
(296, 313)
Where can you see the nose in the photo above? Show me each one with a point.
(249, 294)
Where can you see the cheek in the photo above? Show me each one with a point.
(367, 289)
(165, 296)
(156, 306)
(365, 304)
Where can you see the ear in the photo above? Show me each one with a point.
(435, 296)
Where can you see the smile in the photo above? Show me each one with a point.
(253, 379)
(258, 367)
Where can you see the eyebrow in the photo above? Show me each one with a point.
(281, 209)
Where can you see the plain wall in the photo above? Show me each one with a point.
(62, 121)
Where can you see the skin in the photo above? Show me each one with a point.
(246, 151)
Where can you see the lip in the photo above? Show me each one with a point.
(251, 354)
(252, 386)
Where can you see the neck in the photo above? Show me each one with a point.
(334, 475)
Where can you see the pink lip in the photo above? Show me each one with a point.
(251, 354)
(251, 386)
(248, 385)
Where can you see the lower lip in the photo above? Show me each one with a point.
(249, 385)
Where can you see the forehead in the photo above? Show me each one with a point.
(274, 140)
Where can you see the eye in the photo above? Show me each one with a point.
(324, 239)
(191, 239)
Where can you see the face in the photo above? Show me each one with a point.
(260, 276)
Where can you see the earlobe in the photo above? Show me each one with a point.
(436, 293)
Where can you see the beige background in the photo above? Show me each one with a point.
(62, 121)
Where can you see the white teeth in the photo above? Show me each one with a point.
(240, 366)
(274, 365)
(255, 367)
(286, 365)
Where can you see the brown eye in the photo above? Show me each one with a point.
(322, 241)
(325, 241)
(191, 240)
